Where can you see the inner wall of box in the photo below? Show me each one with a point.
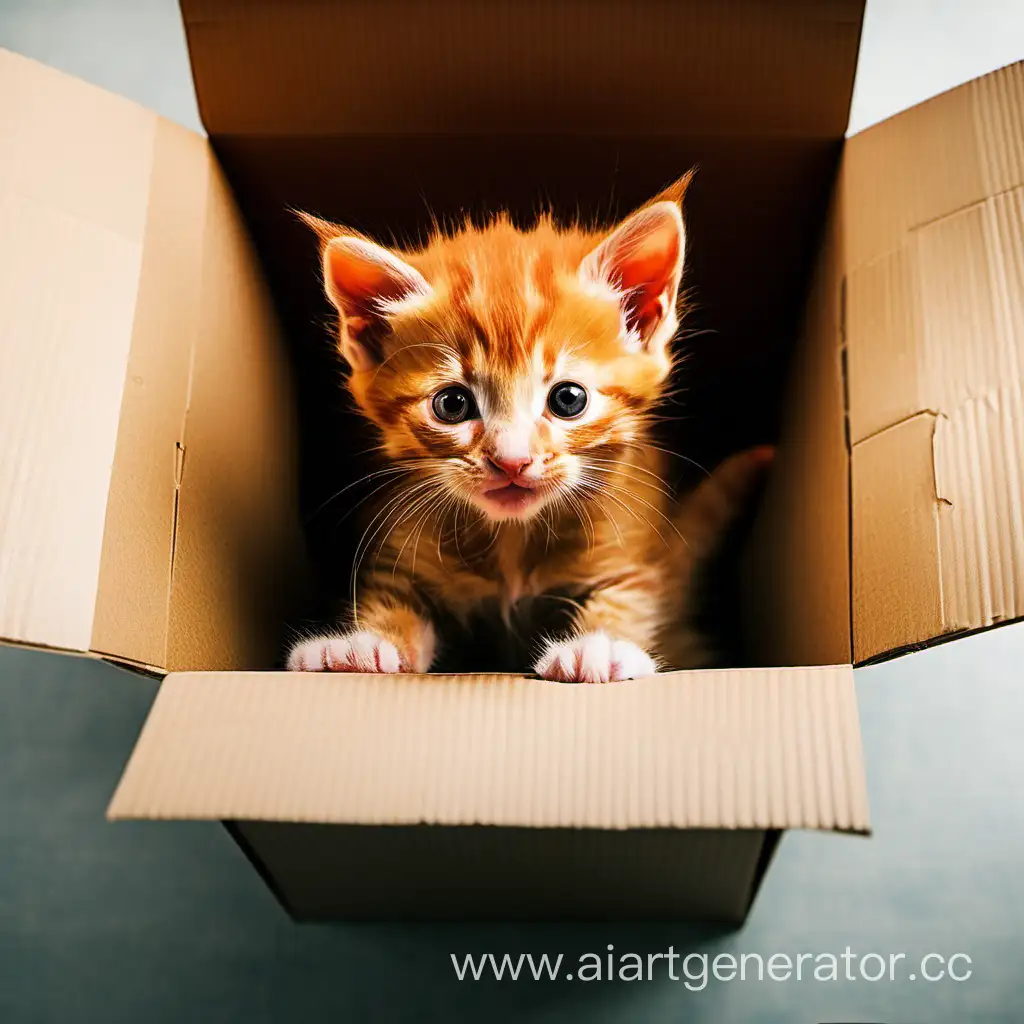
(754, 215)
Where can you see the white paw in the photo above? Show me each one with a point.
(594, 658)
(361, 651)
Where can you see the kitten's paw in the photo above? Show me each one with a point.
(594, 658)
(361, 651)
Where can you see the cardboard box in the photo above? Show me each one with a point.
(149, 509)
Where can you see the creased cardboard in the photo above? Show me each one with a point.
(135, 570)
(730, 68)
(895, 557)
(145, 391)
(71, 247)
(238, 552)
(753, 750)
(978, 455)
(935, 341)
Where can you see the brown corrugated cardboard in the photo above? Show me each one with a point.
(135, 569)
(894, 537)
(237, 546)
(934, 261)
(925, 252)
(409, 68)
(135, 328)
(749, 750)
(471, 872)
(71, 249)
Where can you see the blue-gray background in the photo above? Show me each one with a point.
(133, 923)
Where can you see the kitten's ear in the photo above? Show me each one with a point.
(642, 260)
(364, 281)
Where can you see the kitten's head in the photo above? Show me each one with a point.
(508, 364)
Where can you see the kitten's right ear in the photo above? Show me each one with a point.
(365, 282)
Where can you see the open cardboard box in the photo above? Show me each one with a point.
(868, 304)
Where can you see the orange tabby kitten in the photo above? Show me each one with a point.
(511, 375)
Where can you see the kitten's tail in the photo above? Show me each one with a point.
(702, 520)
(704, 516)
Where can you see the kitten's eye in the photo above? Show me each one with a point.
(454, 404)
(567, 400)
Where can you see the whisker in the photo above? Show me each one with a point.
(423, 501)
(585, 521)
(657, 511)
(571, 601)
(364, 544)
(455, 534)
(601, 489)
(452, 502)
(620, 469)
(364, 499)
(428, 511)
(676, 455)
(389, 471)
(614, 525)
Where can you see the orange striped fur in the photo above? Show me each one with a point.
(515, 499)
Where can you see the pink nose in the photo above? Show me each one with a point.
(510, 467)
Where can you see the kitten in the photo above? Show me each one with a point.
(512, 377)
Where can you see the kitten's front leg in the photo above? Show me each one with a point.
(610, 641)
(391, 637)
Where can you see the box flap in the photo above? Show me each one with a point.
(238, 553)
(933, 204)
(137, 562)
(305, 67)
(147, 482)
(75, 167)
(735, 749)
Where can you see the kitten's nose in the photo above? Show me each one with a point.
(511, 467)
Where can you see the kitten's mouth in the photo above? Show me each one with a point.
(511, 498)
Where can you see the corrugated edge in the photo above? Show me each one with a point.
(133, 596)
(136, 668)
(448, 67)
(935, 641)
(71, 652)
(897, 584)
(956, 233)
(237, 561)
(756, 748)
(65, 333)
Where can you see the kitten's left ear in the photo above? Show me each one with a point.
(642, 260)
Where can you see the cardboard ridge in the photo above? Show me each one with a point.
(497, 797)
(733, 67)
(717, 749)
(145, 396)
(934, 265)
